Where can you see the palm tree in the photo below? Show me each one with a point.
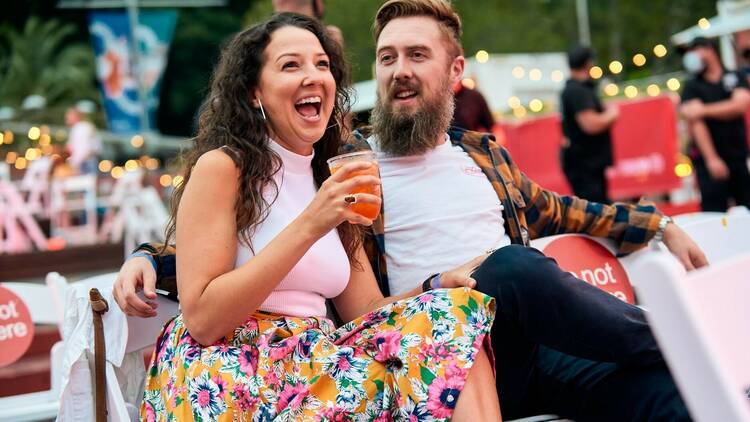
(37, 60)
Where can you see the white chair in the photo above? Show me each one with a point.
(721, 236)
(702, 323)
(141, 334)
(35, 184)
(40, 405)
(18, 229)
(74, 195)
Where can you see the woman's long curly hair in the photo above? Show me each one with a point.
(228, 119)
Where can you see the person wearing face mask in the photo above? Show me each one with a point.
(714, 103)
(586, 124)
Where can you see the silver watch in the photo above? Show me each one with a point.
(665, 220)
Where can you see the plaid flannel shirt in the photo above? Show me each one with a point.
(530, 210)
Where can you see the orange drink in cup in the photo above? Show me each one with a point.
(366, 210)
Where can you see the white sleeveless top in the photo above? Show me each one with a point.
(323, 272)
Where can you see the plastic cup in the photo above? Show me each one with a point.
(369, 211)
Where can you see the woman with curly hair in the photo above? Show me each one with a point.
(258, 257)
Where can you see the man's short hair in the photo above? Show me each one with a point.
(440, 10)
(579, 55)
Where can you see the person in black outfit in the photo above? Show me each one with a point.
(714, 103)
(471, 112)
(586, 123)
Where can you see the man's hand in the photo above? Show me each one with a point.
(682, 246)
(717, 168)
(461, 276)
(135, 275)
(692, 110)
(613, 112)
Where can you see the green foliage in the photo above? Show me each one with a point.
(38, 60)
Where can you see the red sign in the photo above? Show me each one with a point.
(591, 262)
(535, 146)
(644, 146)
(16, 327)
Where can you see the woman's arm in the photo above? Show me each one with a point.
(362, 294)
(216, 297)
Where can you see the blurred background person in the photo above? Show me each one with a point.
(586, 124)
(471, 111)
(313, 8)
(714, 102)
(84, 144)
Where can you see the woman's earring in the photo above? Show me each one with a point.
(263, 112)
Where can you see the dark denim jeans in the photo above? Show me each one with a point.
(565, 347)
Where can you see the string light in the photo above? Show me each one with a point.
(519, 112)
(11, 157)
(611, 90)
(136, 141)
(673, 84)
(596, 72)
(535, 74)
(639, 60)
(556, 76)
(482, 56)
(177, 180)
(20, 163)
(32, 154)
(34, 133)
(152, 164)
(653, 90)
(660, 50)
(514, 102)
(45, 139)
(615, 67)
(117, 172)
(105, 166)
(468, 83)
(165, 180)
(631, 91)
(518, 72)
(703, 23)
(131, 165)
(8, 137)
(683, 170)
(536, 105)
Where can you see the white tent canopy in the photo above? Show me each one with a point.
(720, 25)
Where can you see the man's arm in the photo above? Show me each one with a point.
(716, 166)
(593, 122)
(150, 267)
(631, 226)
(730, 109)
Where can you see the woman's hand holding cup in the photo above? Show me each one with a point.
(351, 183)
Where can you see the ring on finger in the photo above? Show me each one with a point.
(350, 199)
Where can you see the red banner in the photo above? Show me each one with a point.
(535, 147)
(644, 145)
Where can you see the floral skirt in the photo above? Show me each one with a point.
(405, 361)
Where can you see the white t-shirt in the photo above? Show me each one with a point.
(323, 272)
(440, 212)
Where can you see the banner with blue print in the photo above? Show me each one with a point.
(115, 71)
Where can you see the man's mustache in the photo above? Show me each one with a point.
(401, 86)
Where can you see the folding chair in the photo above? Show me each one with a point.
(702, 323)
(141, 334)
